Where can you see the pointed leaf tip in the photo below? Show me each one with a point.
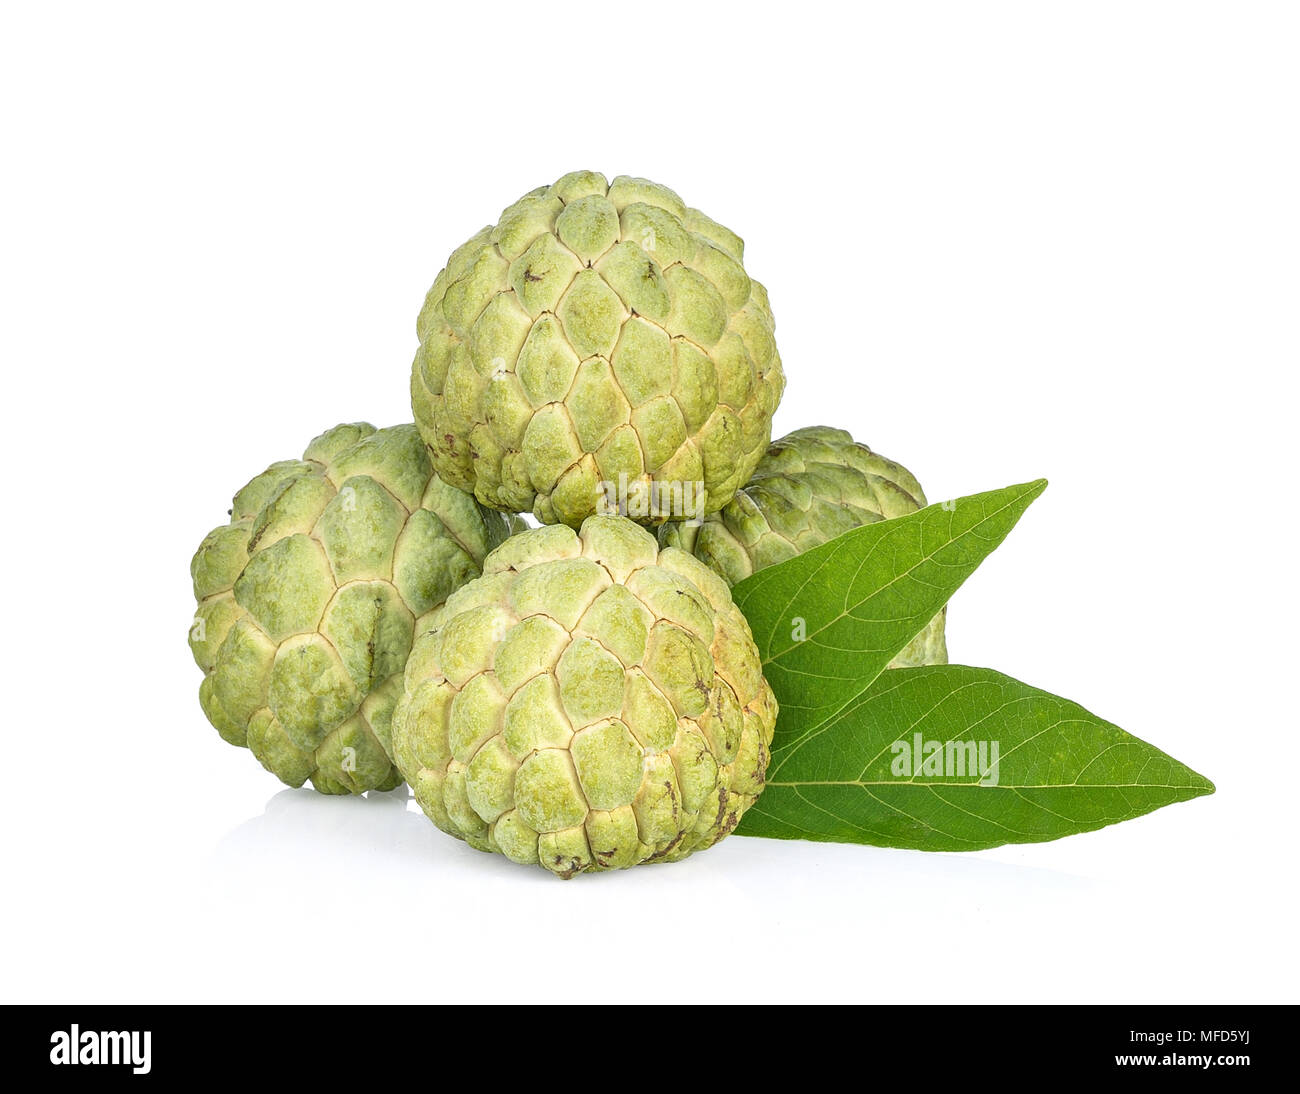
(951, 758)
(828, 621)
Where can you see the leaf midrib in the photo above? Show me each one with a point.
(912, 784)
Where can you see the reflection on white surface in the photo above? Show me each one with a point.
(318, 898)
(301, 831)
(357, 899)
(304, 833)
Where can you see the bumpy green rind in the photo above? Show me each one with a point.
(600, 349)
(309, 599)
(591, 702)
(810, 486)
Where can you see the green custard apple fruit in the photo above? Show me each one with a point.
(810, 486)
(309, 600)
(599, 349)
(591, 702)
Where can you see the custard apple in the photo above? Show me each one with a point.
(600, 349)
(591, 702)
(812, 485)
(309, 598)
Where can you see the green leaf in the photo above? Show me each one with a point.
(1059, 769)
(828, 621)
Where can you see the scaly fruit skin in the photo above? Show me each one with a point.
(812, 485)
(309, 598)
(591, 702)
(599, 334)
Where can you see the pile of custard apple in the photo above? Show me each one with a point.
(582, 694)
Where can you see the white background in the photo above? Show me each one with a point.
(1001, 241)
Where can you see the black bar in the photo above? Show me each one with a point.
(337, 1045)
